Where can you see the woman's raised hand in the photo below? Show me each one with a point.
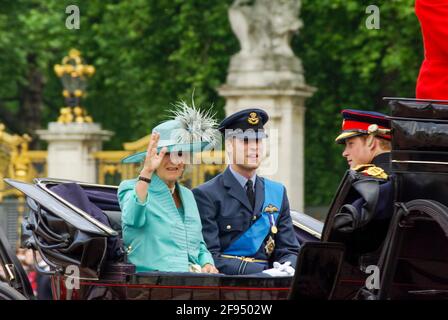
(153, 160)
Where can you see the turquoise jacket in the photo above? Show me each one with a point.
(156, 234)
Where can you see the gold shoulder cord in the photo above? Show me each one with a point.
(371, 170)
(376, 172)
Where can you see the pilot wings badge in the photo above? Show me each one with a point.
(271, 209)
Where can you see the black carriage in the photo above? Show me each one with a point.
(395, 245)
(71, 240)
(399, 253)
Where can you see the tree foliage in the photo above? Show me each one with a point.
(352, 67)
(150, 53)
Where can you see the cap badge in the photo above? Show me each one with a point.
(253, 118)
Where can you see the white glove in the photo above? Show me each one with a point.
(273, 272)
(280, 270)
(195, 268)
(286, 267)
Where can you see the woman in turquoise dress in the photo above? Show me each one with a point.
(162, 229)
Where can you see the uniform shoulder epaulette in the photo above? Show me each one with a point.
(371, 170)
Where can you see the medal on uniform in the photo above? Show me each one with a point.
(271, 209)
(272, 222)
(270, 246)
(270, 243)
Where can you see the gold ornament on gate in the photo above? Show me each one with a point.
(74, 74)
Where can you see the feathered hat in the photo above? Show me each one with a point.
(190, 130)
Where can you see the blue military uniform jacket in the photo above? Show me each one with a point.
(226, 214)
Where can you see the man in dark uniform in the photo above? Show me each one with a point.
(246, 221)
(366, 199)
(366, 135)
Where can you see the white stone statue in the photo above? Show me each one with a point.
(265, 27)
(266, 73)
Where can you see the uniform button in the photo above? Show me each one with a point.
(254, 218)
(229, 227)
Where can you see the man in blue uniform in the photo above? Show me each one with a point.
(246, 221)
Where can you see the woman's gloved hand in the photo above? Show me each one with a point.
(209, 268)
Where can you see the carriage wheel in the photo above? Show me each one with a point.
(412, 209)
(9, 293)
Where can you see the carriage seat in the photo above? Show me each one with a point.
(114, 219)
(100, 203)
(96, 202)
